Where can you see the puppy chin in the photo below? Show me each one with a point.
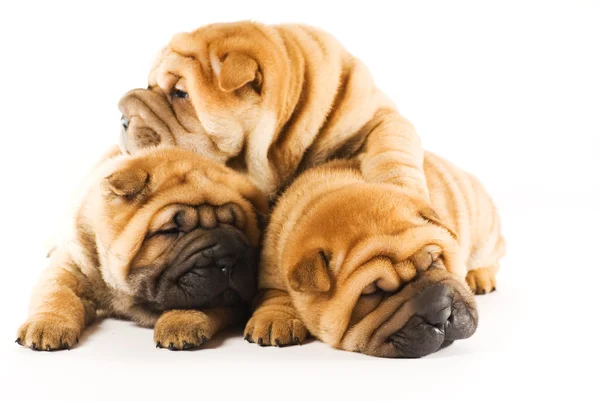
(205, 268)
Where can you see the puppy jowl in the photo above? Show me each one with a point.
(164, 238)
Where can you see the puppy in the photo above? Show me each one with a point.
(366, 267)
(164, 238)
(271, 101)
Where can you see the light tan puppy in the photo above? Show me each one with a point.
(272, 101)
(165, 238)
(366, 267)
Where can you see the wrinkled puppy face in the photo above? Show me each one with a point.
(208, 91)
(372, 271)
(177, 231)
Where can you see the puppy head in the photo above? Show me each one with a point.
(176, 230)
(209, 91)
(358, 265)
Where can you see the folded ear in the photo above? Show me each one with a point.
(236, 71)
(127, 182)
(431, 216)
(310, 274)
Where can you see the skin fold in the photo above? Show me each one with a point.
(368, 267)
(166, 238)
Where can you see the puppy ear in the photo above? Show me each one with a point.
(426, 256)
(310, 274)
(431, 216)
(236, 71)
(127, 182)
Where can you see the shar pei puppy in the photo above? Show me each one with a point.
(271, 101)
(366, 267)
(165, 238)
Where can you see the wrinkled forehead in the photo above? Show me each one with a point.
(163, 176)
(356, 213)
(172, 66)
(186, 53)
(172, 161)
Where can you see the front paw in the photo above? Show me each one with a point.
(182, 330)
(48, 332)
(481, 281)
(275, 328)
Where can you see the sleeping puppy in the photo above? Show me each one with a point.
(365, 267)
(164, 238)
(271, 101)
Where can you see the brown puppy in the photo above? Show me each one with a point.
(166, 239)
(272, 101)
(366, 267)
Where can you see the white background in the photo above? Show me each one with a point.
(508, 90)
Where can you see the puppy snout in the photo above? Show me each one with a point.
(434, 304)
(444, 308)
(146, 120)
(205, 268)
(441, 316)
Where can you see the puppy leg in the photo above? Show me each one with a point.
(275, 321)
(187, 329)
(58, 314)
(482, 280)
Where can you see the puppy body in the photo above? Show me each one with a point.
(122, 255)
(272, 101)
(351, 260)
(464, 206)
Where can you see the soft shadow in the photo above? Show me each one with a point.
(452, 351)
(220, 339)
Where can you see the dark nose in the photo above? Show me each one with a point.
(124, 122)
(444, 309)
(206, 268)
(434, 304)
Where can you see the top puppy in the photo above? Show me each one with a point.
(271, 101)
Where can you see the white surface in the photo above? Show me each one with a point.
(510, 91)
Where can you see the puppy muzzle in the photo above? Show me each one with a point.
(438, 315)
(440, 318)
(206, 268)
(147, 121)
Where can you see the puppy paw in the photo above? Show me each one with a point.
(481, 281)
(274, 328)
(182, 330)
(230, 213)
(48, 332)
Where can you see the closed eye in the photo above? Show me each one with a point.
(179, 94)
(168, 231)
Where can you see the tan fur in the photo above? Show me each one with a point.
(127, 200)
(359, 240)
(272, 101)
(183, 329)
